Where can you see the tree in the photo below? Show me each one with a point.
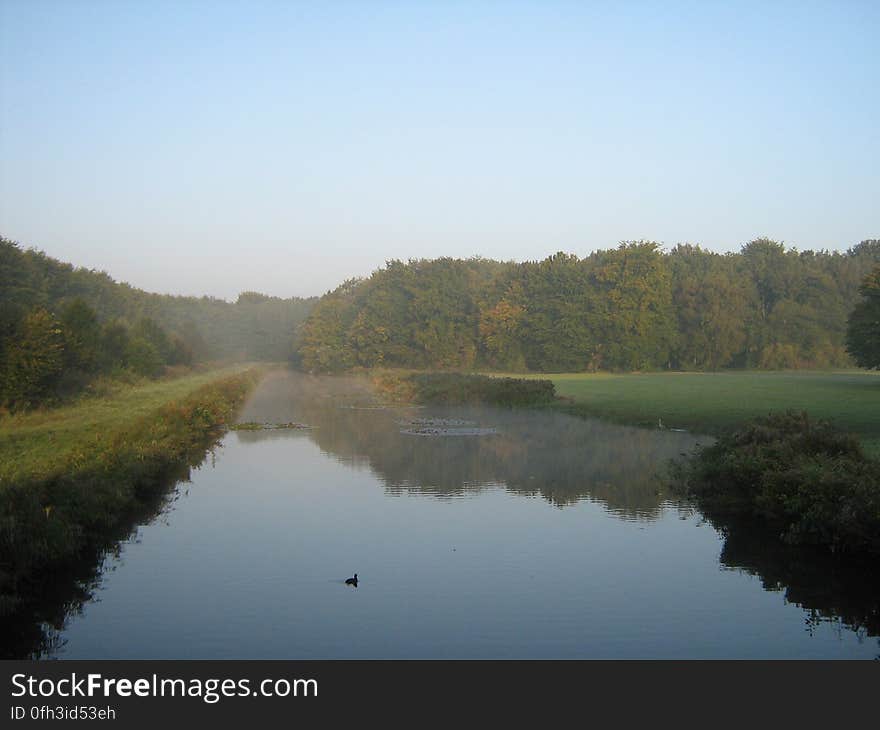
(499, 330)
(143, 357)
(34, 363)
(114, 346)
(324, 342)
(79, 325)
(631, 306)
(556, 331)
(151, 331)
(710, 301)
(863, 327)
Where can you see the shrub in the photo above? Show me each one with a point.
(458, 388)
(805, 477)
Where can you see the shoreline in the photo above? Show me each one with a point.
(81, 504)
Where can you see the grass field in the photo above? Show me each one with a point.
(713, 402)
(42, 442)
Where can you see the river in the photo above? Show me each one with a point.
(475, 533)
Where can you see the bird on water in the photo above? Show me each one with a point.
(352, 581)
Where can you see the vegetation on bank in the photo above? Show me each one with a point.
(69, 477)
(631, 308)
(810, 481)
(39, 444)
(807, 480)
(462, 388)
(46, 359)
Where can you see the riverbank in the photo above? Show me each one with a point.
(715, 403)
(39, 444)
(70, 477)
(707, 403)
(812, 479)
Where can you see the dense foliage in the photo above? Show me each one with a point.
(806, 478)
(44, 358)
(60, 327)
(255, 327)
(631, 308)
(459, 388)
(863, 330)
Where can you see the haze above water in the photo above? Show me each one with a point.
(546, 536)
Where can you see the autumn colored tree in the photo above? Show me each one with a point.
(633, 307)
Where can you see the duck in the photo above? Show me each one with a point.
(352, 581)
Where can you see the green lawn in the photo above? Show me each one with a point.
(43, 441)
(711, 402)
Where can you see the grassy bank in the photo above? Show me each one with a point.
(814, 480)
(70, 477)
(40, 444)
(716, 402)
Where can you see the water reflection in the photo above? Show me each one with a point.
(34, 627)
(829, 588)
(530, 452)
(562, 459)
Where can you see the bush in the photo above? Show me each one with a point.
(805, 477)
(458, 388)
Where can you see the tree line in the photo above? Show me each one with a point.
(62, 326)
(634, 307)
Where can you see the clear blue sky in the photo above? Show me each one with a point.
(210, 147)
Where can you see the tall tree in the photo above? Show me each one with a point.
(82, 336)
(34, 362)
(631, 306)
(863, 330)
(710, 300)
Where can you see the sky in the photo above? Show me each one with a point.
(216, 147)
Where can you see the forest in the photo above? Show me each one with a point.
(632, 308)
(61, 327)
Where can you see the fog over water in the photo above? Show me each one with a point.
(553, 455)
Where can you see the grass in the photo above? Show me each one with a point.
(42, 443)
(714, 403)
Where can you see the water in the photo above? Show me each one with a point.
(537, 536)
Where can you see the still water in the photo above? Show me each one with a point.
(475, 534)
